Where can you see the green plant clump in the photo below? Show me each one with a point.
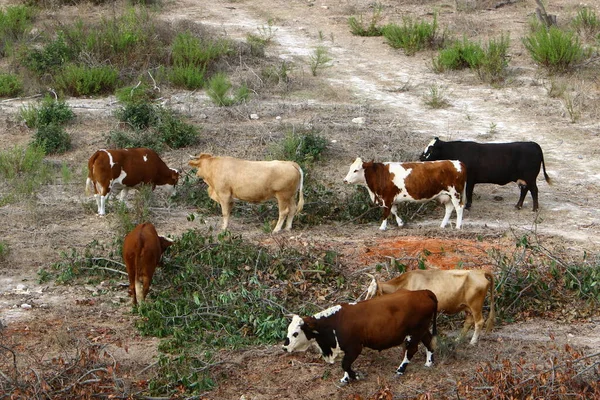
(53, 138)
(10, 85)
(554, 49)
(219, 88)
(301, 147)
(77, 80)
(50, 111)
(15, 23)
(360, 28)
(51, 57)
(412, 36)
(586, 23)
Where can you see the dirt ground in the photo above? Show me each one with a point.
(366, 79)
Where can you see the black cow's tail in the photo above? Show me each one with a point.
(544, 169)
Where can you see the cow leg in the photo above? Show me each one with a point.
(524, 190)
(412, 345)
(386, 214)
(427, 340)
(477, 319)
(398, 219)
(347, 361)
(140, 290)
(448, 213)
(291, 214)
(226, 205)
(455, 202)
(131, 291)
(534, 195)
(469, 192)
(284, 211)
(466, 326)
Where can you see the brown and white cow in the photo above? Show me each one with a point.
(379, 323)
(231, 178)
(122, 169)
(142, 251)
(391, 183)
(456, 291)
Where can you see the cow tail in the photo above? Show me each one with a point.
(373, 289)
(89, 183)
(434, 327)
(139, 283)
(544, 169)
(489, 324)
(300, 189)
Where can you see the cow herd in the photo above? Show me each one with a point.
(396, 312)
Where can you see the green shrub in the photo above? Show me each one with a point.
(188, 77)
(190, 51)
(586, 23)
(301, 147)
(140, 93)
(50, 58)
(554, 49)
(319, 59)
(79, 80)
(412, 36)
(137, 138)
(174, 132)
(23, 170)
(219, 88)
(15, 24)
(53, 138)
(459, 55)
(10, 85)
(4, 250)
(50, 111)
(492, 67)
(359, 27)
(138, 116)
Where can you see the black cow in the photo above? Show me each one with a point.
(498, 163)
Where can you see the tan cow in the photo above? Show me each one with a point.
(231, 178)
(456, 291)
(142, 251)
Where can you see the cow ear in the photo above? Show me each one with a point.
(205, 155)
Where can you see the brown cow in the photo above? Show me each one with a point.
(142, 251)
(391, 183)
(456, 291)
(126, 168)
(231, 178)
(379, 324)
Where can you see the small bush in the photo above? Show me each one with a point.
(50, 58)
(554, 49)
(15, 24)
(459, 55)
(436, 98)
(188, 77)
(301, 147)
(23, 171)
(412, 36)
(190, 51)
(492, 67)
(586, 23)
(219, 88)
(53, 138)
(79, 80)
(174, 132)
(140, 93)
(121, 139)
(10, 85)
(360, 28)
(50, 111)
(138, 116)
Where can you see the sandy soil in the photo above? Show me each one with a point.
(367, 79)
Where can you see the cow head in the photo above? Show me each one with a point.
(296, 339)
(164, 243)
(356, 174)
(197, 162)
(431, 152)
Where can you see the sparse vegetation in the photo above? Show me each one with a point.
(586, 23)
(554, 49)
(360, 28)
(413, 36)
(219, 88)
(10, 85)
(319, 60)
(302, 147)
(49, 111)
(436, 97)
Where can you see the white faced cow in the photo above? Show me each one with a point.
(391, 183)
(456, 291)
(126, 168)
(379, 323)
(231, 178)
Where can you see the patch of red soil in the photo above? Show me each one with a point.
(415, 252)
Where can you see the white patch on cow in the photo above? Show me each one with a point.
(457, 165)
(426, 151)
(145, 157)
(296, 337)
(403, 364)
(328, 312)
(400, 174)
(383, 226)
(429, 361)
(352, 304)
(346, 378)
(120, 178)
(110, 158)
(372, 289)
(408, 338)
(336, 351)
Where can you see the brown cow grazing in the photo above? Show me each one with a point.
(456, 291)
(126, 168)
(142, 251)
(231, 178)
(391, 183)
(379, 323)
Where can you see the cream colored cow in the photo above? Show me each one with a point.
(231, 178)
(456, 291)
